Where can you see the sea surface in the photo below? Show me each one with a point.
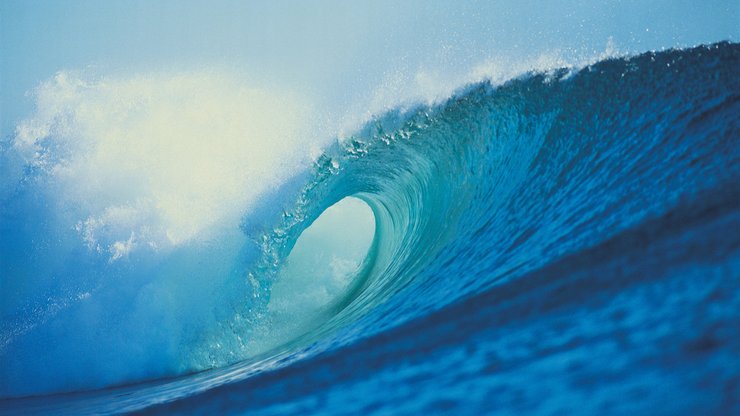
(566, 242)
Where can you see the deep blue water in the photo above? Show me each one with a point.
(565, 243)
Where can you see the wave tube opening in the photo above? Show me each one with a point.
(322, 271)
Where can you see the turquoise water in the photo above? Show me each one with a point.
(563, 242)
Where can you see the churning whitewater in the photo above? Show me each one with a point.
(537, 227)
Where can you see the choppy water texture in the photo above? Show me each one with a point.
(566, 242)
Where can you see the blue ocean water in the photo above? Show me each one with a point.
(566, 242)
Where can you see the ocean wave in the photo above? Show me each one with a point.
(605, 191)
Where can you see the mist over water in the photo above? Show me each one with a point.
(130, 183)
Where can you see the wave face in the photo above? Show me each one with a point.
(566, 241)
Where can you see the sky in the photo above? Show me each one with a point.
(344, 57)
